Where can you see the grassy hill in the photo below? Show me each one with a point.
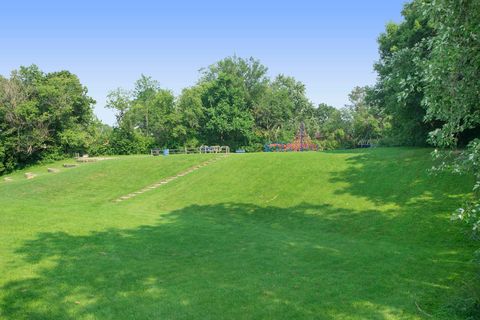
(361, 234)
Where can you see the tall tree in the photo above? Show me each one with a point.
(400, 87)
(452, 77)
(368, 121)
(119, 100)
(145, 91)
(452, 93)
(227, 117)
(252, 75)
(191, 115)
(43, 115)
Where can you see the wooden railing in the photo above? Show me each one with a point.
(202, 149)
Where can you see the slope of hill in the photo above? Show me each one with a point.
(359, 234)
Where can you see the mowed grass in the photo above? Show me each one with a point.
(361, 234)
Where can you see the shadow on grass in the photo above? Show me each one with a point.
(240, 261)
(400, 178)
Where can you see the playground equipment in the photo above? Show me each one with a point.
(302, 142)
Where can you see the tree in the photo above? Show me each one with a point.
(403, 49)
(119, 100)
(285, 105)
(251, 73)
(191, 115)
(145, 90)
(234, 90)
(273, 114)
(368, 121)
(146, 115)
(162, 117)
(42, 116)
(228, 121)
(331, 127)
(452, 93)
(452, 74)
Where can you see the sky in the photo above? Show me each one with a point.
(330, 46)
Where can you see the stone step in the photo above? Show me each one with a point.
(169, 179)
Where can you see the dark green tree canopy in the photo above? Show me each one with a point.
(42, 115)
(400, 86)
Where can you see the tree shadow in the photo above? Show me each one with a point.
(241, 261)
(400, 178)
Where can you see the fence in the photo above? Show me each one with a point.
(202, 149)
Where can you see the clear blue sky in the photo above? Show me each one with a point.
(328, 45)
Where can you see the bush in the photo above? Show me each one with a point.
(130, 142)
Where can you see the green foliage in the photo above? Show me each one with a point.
(74, 141)
(235, 103)
(429, 75)
(367, 120)
(331, 127)
(42, 116)
(274, 113)
(453, 69)
(400, 86)
(120, 101)
(452, 92)
(250, 74)
(285, 106)
(130, 142)
(361, 122)
(100, 136)
(440, 68)
(228, 121)
(146, 115)
(191, 115)
(49, 116)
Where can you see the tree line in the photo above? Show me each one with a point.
(46, 116)
(235, 103)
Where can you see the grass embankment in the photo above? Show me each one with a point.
(342, 235)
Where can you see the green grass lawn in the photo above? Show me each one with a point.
(361, 234)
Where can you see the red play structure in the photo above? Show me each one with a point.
(302, 142)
